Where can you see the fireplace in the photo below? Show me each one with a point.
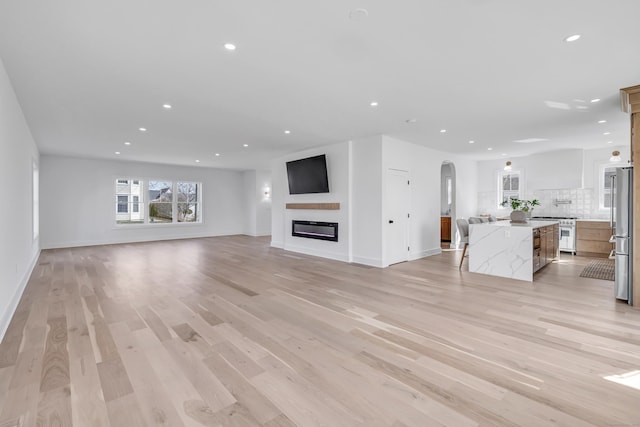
(315, 230)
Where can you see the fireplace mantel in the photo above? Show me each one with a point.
(316, 206)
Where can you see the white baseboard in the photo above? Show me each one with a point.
(373, 262)
(323, 254)
(6, 317)
(277, 244)
(81, 243)
(423, 254)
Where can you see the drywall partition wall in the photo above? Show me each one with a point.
(424, 166)
(424, 173)
(250, 202)
(257, 193)
(366, 198)
(263, 206)
(78, 206)
(338, 174)
(18, 248)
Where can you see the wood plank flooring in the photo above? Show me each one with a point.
(227, 331)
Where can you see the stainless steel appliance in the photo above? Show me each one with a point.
(567, 232)
(622, 205)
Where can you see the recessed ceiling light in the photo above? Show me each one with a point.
(166, 106)
(287, 132)
(230, 46)
(197, 161)
(530, 140)
(504, 154)
(609, 142)
(595, 100)
(217, 154)
(607, 133)
(472, 142)
(602, 121)
(572, 38)
(127, 143)
(489, 148)
(117, 152)
(358, 14)
(142, 129)
(374, 104)
(411, 121)
(443, 131)
(245, 145)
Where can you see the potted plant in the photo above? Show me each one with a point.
(521, 208)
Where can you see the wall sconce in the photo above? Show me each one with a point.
(267, 192)
(615, 157)
(507, 166)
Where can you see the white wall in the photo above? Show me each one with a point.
(263, 205)
(567, 175)
(250, 202)
(357, 172)
(18, 250)
(77, 202)
(257, 221)
(366, 199)
(424, 166)
(338, 173)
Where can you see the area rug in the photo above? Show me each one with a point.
(602, 269)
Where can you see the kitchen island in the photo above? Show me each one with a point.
(512, 250)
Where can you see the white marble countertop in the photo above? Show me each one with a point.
(528, 224)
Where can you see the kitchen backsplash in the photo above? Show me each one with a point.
(579, 202)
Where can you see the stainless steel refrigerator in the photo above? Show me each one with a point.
(623, 199)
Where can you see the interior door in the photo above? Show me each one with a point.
(398, 203)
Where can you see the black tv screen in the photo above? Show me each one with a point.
(308, 175)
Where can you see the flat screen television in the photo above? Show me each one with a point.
(308, 175)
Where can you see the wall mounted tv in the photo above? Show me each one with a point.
(308, 175)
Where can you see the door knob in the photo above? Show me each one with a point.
(390, 221)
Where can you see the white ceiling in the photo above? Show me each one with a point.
(88, 74)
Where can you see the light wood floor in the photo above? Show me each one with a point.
(228, 331)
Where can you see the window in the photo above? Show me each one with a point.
(123, 204)
(605, 190)
(508, 186)
(160, 201)
(128, 201)
(188, 202)
(167, 201)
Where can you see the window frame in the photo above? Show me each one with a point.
(144, 203)
(500, 189)
(601, 184)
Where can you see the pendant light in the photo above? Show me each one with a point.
(615, 157)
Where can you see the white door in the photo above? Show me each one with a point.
(397, 221)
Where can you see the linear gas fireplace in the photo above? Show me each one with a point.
(315, 230)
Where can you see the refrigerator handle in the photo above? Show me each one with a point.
(613, 189)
